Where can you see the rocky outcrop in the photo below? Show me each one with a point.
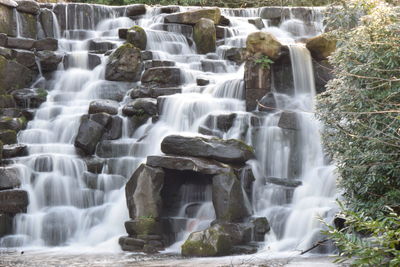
(263, 43)
(9, 178)
(7, 22)
(124, 64)
(137, 36)
(10, 75)
(204, 36)
(191, 17)
(162, 77)
(321, 46)
(28, 6)
(227, 151)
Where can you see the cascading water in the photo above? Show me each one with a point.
(65, 211)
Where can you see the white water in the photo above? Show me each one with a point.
(63, 211)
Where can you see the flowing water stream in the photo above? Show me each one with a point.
(64, 211)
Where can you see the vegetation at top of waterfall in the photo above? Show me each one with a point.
(219, 3)
(361, 113)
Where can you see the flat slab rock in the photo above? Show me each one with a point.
(227, 151)
(180, 163)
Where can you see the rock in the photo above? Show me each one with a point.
(202, 82)
(193, 16)
(16, 124)
(169, 9)
(143, 193)
(227, 151)
(211, 65)
(144, 92)
(114, 129)
(247, 179)
(179, 163)
(20, 43)
(25, 58)
(267, 103)
(9, 178)
(130, 243)
(6, 101)
(29, 98)
(162, 77)
(158, 63)
(100, 46)
(28, 25)
(146, 55)
(8, 137)
(89, 134)
(204, 36)
(94, 164)
(137, 36)
(124, 64)
(207, 243)
(5, 52)
(229, 199)
(224, 21)
(141, 107)
(288, 120)
(15, 150)
(13, 201)
(122, 32)
(234, 54)
(260, 229)
(47, 21)
(8, 3)
(49, 60)
(144, 228)
(7, 21)
(5, 224)
(257, 22)
(11, 112)
(283, 181)
(107, 106)
(222, 122)
(321, 46)
(50, 44)
(28, 6)
(323, 72)
(101, 118)
(135, 10)
(263, 43)
(257, 81)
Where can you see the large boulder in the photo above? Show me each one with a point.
(229, 198)
(46, 44)
(8, 137)
(321, 46)
(124, 64)
(28, 6)
(141, 107)
(205, 166)
(137, 36)
(135, 10)
(49, 60)
(193, 16)
(143, 192)
(14, 75)
(25, 58)
(9, 178)
(14, 150)
(204, 36)
(107, 106)
(13, 201)
(15, 124)
(5, 224)
(20, 43)
(213, 241)
(89, 134)
(7, 22)
(162, 77)
(29, 97)
(263, 43)
(227, 151)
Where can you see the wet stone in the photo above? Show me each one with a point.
(15, 150)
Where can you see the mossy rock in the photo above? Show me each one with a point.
(137, 36)
(7, 24)
(8, 137)
(29, 25)
(263, 43)
(204, 35)
(7, 101)
(211, 242)
(191, 17)
(14, 75)
(321, 46)
(143, 226)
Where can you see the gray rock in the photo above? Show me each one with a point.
(162, 77)
(257, 22)
(135, 10)
(47, 21)
(9, 178)
(8, 137)
(229, 198)
(28, 6)
(222, 122)
(283, 181)
(28, 25)
(7, 20)
(180, 163)
(94, 164)
(5, 224)
(158, 63)
(267, 103)
(5, 52)
(122, 32)
(13, 201)
(227, 151)
(100, 46)
(202, 82)
(8, 3)
(204, 36)
(191, 17)
(15, 124)
(29, 98)
(137, 36)
(49, 60)
(124, 64)
(43, 163)
(143, 192)
(20, 43)
(25, 58)
(234, 54)
(289, 121)
(89, 134)
(50, 44)
(14, 150)
(260, 228)
(144, 92)
(114, 129)
(101, 118)
(107, 106)
(141, 107)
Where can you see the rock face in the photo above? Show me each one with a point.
(7, 22)
(208, 243)
(263, 43)
(10, 75)
(229, 198)
(204, 36)
(162, 77)
(124, 64)
(13, 201)
(28, 6)
(257, 81)
(137, 36)
(29, 98)
(321, 47)
(227, 151)
(9, 178)
(49, 60)
(135, 10)
(191, 17)
(46, 44)
(89, 134)
(143, 192)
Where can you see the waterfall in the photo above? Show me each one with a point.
(67, 210)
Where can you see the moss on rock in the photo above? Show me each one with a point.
(137, 36)
(321, 46)
(204, 35)
(263, 43)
